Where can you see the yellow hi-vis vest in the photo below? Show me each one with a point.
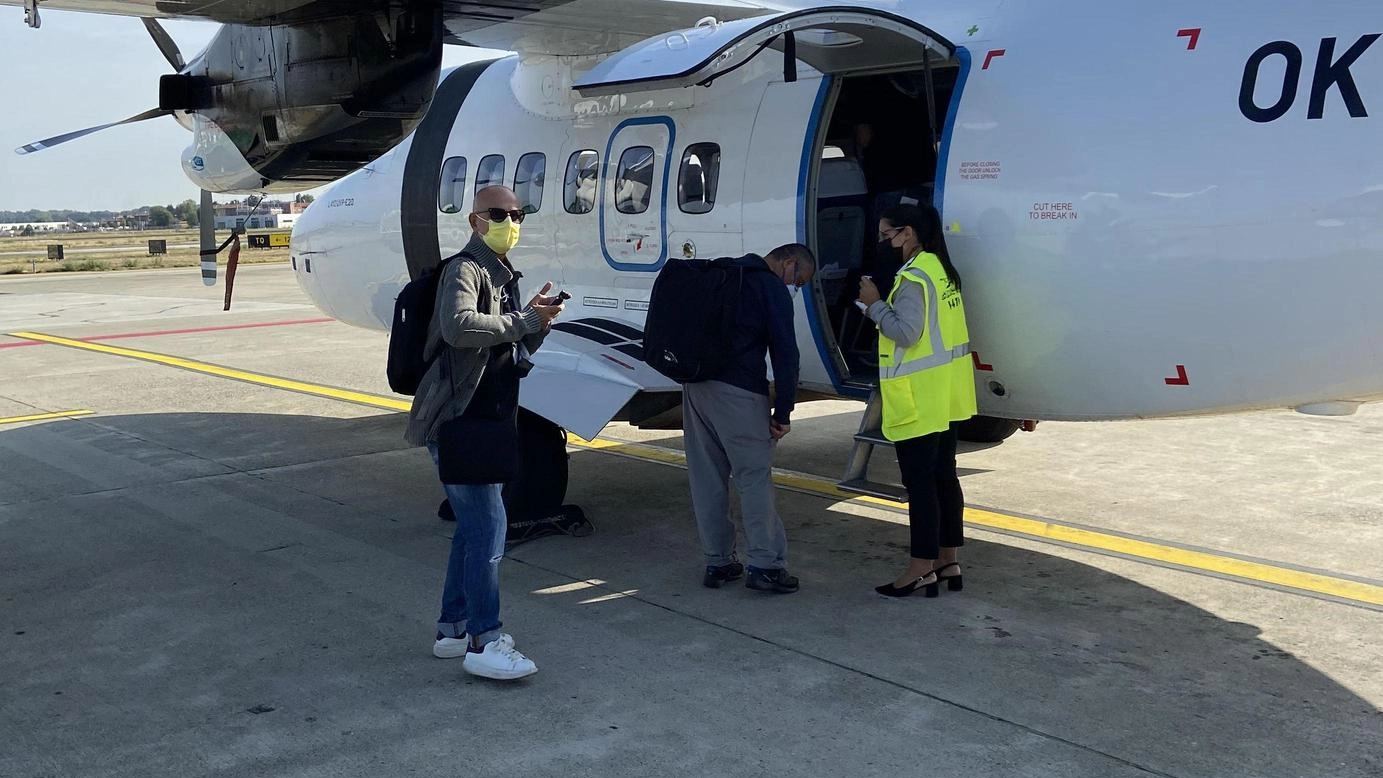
(932, 383)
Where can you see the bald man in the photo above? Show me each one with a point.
(477, 336)
(730, 429)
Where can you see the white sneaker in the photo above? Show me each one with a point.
(450, 648)
(500, 661)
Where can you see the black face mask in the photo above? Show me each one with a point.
(886, 248)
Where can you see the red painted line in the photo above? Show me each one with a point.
(991, 56)
(1194, 33)
(980, 365)
(1181, 378)
(190, 331)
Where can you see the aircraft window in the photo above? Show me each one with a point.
(579, 185)
(453, 187)
(634, 180)
(490, 172)
(696, 184)
(529, 177)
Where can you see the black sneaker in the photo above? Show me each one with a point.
(717, 576)
(771, 581)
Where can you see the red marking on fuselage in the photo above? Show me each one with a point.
(617, 362)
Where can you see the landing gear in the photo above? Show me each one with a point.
(31, 14)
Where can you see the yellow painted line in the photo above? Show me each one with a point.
(45, 416)
(360, 398)
(1038, 529)
(1181, 557)
(1218, 564)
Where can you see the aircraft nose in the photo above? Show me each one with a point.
(348, 252)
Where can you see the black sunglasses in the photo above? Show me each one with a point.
(499, 215)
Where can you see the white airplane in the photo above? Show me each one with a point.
(1158, 210)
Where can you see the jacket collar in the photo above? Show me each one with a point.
(500, 273)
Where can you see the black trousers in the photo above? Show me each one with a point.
(936, 506)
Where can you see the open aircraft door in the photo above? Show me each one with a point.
(837, 42)
(832, 40)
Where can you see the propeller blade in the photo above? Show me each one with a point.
(48, 143)
(165, 43)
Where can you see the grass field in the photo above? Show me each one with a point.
(126, 250)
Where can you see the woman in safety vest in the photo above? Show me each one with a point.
(927, 385)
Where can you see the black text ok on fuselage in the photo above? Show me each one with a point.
(1331, 72)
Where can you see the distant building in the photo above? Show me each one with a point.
(257, 221)
(16, 228)
(238, 215)
(134, 220)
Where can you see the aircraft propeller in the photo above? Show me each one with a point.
(170, 51)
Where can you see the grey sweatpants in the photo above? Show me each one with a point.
(726, 435)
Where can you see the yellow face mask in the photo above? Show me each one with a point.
(502, 236)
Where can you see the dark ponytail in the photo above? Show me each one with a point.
(926, 222)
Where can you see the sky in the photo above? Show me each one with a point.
(81, 70)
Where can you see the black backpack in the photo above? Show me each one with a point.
(692, 315)
(534, 503)
(413, 310)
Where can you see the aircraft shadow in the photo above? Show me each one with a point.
(821, 444)
(1056, 650)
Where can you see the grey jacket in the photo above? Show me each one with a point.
(904, 320)
(460, 337)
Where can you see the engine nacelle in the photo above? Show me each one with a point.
(292, 106)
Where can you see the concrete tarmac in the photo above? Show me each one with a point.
(215, 577)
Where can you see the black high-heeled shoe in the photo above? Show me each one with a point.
(932, 589)
(953, 582)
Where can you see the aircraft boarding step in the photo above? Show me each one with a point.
(856, 480)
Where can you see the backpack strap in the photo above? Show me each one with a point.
(443, 351)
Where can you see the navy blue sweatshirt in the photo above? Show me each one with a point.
(765, 328)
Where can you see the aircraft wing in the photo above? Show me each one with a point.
(586, 371)
(225, 11)
(576, 27)
(527, 26)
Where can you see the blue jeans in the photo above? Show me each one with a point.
(470, 597)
